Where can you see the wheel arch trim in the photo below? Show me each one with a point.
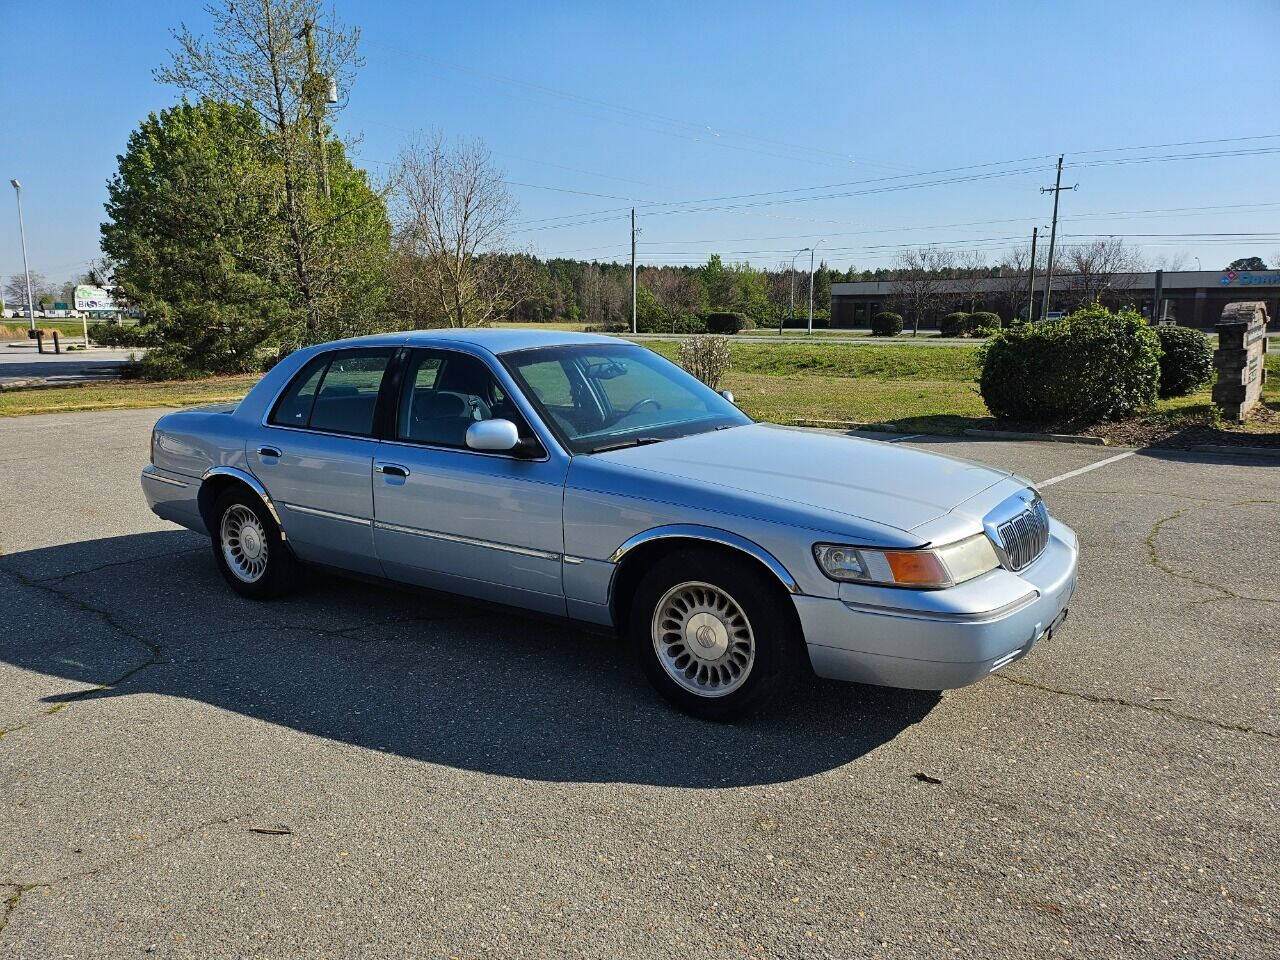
(690, 531)
(250, 481)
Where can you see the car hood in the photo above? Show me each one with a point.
(868, 479)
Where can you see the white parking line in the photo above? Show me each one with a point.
(1093, 466)
(910, 436)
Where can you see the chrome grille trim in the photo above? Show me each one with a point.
(1025, 536)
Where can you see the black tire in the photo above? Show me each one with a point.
(760, 601)
(279, 567)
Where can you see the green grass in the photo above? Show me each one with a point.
(853, 360)
(124, 395)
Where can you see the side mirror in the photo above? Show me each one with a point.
(501, 436)
(494, 436)
(728, 395)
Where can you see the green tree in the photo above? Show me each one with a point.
(1247, 263)
(193, 225)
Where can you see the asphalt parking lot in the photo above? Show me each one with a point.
(359, 771)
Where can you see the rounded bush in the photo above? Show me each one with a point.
(1186, 361)
(954, 324)
(983, 323)
(886, 324)
(1093, 365)
(725, 322)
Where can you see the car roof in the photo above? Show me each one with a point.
(493, 339)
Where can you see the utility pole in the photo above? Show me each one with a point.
(316, 92)
(811, 291)
(633, 270)
(1031, 282)
(22, 232)
(1057, 189)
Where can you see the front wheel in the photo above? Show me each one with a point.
(711, 634)
(249, 547)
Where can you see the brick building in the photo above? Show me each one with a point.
(1194, 298)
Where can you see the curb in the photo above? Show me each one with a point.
(43, 384)
(1273, 452)
(1018, 435)
(971, 432)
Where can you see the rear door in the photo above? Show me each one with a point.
(487, 525)
(314, 453)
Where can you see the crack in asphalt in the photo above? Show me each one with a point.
(108, 618)
(1149, 707)
(1156, 561)
(48, 585)
(19, 890)
(10, 902)
(58, 578)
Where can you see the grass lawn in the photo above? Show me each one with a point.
(123, 395)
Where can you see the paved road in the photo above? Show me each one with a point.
(359, 771)
(97, 363)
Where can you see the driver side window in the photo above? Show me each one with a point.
(445, 393)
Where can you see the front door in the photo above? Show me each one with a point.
(488, 525)
(314, 454)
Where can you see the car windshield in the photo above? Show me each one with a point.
(605, 396)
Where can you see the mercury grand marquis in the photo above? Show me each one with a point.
(587, 477)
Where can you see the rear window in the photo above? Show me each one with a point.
(337, 393)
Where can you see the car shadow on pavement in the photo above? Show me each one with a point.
(416, 674)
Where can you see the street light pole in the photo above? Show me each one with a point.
(811, 250)
(22, 232)
(791, 311)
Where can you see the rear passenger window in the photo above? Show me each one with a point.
(294, 408)
(338, 396)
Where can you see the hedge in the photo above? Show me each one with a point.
(725, 322)
(1091, 366)
(954, 324)
(1186, 361)
(886, 324)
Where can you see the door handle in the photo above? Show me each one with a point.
(391, 469)
(269, 451)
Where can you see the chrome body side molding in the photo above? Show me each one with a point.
(252, 482)
(686, 531)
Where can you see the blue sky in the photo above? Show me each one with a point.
(661, 102)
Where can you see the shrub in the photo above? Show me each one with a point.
(689, 324)
(706, 357)
(725, 322)
(1093, 365)
(886, 324)
(954, 324)
(983, 323)
(1186, 361)
(111, 334)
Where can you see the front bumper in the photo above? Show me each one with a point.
(940, 639)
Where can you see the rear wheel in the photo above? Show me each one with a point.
(249, 548)
(711, 633)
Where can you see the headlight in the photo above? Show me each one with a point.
(938, 567)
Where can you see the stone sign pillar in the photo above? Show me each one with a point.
(1240, 358)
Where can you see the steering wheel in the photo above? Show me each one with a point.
(638, 404)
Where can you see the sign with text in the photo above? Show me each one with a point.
(93, 298)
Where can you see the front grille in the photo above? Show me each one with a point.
(1026, 535)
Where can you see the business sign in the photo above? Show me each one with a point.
(1247, 278)
(93, 298)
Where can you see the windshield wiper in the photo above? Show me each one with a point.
(621, 444)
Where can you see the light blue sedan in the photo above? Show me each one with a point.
(587, 477)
